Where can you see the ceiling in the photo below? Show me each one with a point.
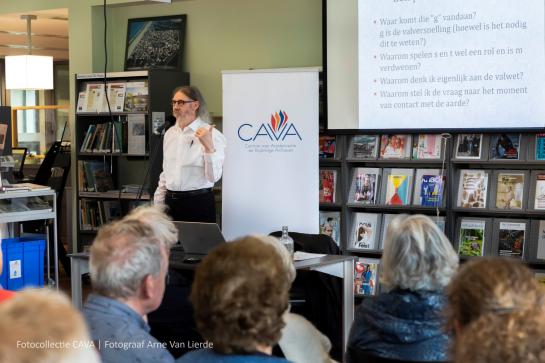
(49, 34)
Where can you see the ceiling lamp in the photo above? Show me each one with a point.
(29, 72)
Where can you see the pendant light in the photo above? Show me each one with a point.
(29, 72)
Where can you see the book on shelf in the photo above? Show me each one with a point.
(469, 146)
(365, 230)
(364, 188)
(116, 97)
(505, 146)
(429, 188)
(82, 99)
(511, 239)
(94, 94)
(12, 206)
(510, 190)
(136, 96)
(395, 146)
(94, 176)
(540, 147)
(364, 147)
(541, 241)
(366, 276)
(112, 210)
(472, 237)
(472, 189)
(398, 187)
(539, 197)
(328, 182)
(17, 187)
(427, 146)
(327, 146)
(136, 140)
(330, 224)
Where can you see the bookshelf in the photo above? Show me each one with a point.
(119, 148)
(516, 180)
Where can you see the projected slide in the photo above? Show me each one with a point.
(451, 64)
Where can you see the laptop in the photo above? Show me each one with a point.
(196, 239)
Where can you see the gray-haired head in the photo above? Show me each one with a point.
(122, 255)
(156, 218)
(287, 261)
(195, 94)
(417, 255)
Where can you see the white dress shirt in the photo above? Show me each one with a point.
(185, 164)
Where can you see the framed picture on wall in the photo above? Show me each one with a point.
(155, 43)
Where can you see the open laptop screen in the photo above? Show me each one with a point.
(199, 238)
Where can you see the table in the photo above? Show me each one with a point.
(37, 214)
(337, 265)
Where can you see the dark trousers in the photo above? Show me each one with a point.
(189, 207)
(173, 321)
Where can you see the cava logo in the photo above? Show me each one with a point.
(278, 129)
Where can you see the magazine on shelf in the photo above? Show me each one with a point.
(395, 146)
(398, 191)
(539, 198)
(386, 219)
(136, 139)
(327, 146)
(541, 241)
(94, 93)
(429, 188)
(427, 146)
(330, 224)
(469, 146)
(365, 230)
(505, 146)
(136, 96)
(116, 97)
(328, 182)
(364, 188)
(540, 147)
(510, 190)
(472, 237)
(366, 276)
(112, 210)
(82, 99)
(472, 189)
(38, 203)
(511, 239)
(439, 221)
(364, 147)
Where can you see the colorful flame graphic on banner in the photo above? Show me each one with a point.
(279, 120)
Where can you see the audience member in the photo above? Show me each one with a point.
(406, 322)
(41, 326)
(509, 336)
(490, 284)
(240, 294)
(300, 342)
(128, 265)
(4, 294)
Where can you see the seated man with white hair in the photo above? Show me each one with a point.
(128, 265)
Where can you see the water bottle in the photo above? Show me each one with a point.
(286, 240)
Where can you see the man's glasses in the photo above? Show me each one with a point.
(181, 102)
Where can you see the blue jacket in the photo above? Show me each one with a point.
(209, 356)
(402, 325)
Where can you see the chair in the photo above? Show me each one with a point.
(53, 172)
(323, 293)
(355, 355)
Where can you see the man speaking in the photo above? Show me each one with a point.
(193, 154)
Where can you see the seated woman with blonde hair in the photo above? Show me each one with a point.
(239, 295)
(406, 322)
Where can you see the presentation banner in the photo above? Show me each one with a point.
(270, 175)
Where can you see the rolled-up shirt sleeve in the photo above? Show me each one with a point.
(213, 162)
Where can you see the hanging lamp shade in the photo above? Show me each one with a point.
(29, 72)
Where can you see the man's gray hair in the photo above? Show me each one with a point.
(156, 218)
(417, 255)
(122, 255)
